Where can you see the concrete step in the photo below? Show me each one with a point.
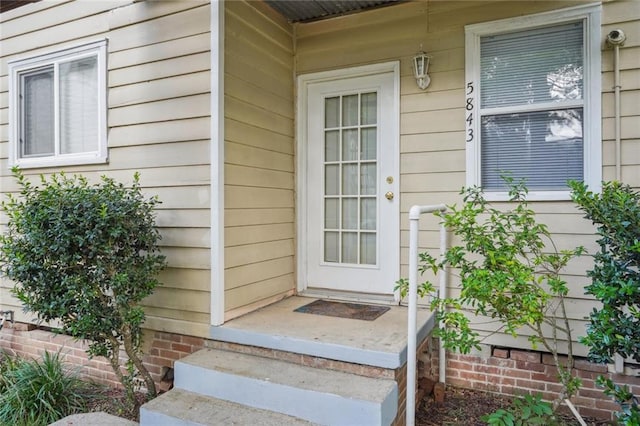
(182, 408)
(320, 396)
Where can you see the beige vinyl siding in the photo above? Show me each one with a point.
(432, 142)
(624, 15)
(158, 124)
(259, 157)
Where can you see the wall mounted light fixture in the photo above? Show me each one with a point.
(420, 70)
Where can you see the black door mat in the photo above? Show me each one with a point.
(343, 310)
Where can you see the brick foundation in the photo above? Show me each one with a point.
(164, 349)
(499, 370)
(518, 372)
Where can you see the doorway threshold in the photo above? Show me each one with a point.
(348, 296)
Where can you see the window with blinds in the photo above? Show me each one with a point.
(531, 107)
(531, 102)
(59, 108)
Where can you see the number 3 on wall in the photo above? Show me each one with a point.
(469, 108)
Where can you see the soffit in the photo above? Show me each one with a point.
(313, 10)
(293, 10)
(6, 5)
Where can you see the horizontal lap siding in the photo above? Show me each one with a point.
(158, 124)
(259, 157)
(624, 15)
(432, 147)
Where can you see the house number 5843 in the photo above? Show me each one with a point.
(469, 111)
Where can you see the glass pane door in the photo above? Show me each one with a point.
(350, 179)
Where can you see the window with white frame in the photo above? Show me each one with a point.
(532, 105)
(58, 107)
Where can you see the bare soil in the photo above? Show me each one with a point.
(112, 401)
(460, 407)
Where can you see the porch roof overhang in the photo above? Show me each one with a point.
(293, 10)
(6, 5)
(314, 10)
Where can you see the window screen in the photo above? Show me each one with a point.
(38, 114)
(79, 106)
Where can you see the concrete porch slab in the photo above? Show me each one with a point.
(378, 343)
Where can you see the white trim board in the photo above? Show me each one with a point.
(217, 162)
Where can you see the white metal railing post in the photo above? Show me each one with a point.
(414, 219)
(442, 293)
(413, 317)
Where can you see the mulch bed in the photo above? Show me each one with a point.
(112, 401)
(464, 407)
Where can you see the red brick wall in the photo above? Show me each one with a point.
(505, 371)
(517, 372)
(167, 348)
(164, 349)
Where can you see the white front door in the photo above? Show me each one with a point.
(351, 188)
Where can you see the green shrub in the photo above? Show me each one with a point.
(510, 271)
(7, 364)
(629, 414)
(40, 392)
(526, 411)
(615, 281)
(86, 256)
(615, 278)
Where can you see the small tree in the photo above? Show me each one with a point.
(510, 271)
(615, 327)
(86, 256)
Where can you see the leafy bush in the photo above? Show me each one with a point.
(510, 271)
(527, 411)
(615, 281)
(86, 255)
(629, 414)
(40, 392)
(7, 364)
(615, 328)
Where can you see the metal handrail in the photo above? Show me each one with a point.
(4, 316)
(414, 218)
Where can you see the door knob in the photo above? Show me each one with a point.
(389, 195)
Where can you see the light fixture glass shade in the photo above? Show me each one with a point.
(420, 70)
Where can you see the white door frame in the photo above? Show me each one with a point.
(301, 152)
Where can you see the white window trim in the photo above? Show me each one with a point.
(591, 14)
(19, 66)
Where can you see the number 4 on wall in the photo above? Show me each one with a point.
(469, 107)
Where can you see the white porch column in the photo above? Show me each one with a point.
(217, 161)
